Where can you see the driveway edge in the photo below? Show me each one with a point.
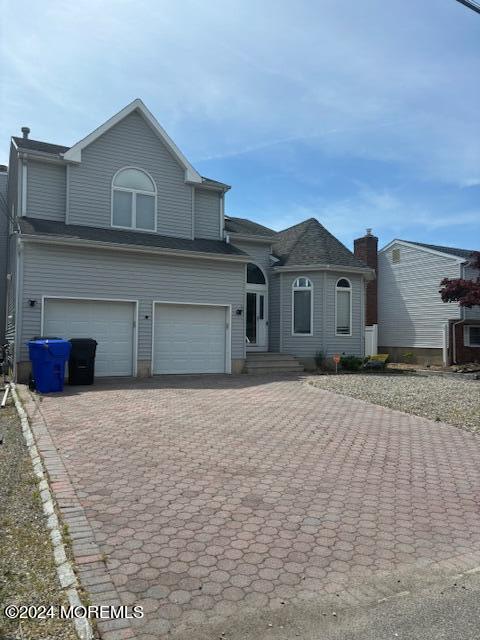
(90, 567)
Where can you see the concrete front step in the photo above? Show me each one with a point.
(267, 362)
(263, 370)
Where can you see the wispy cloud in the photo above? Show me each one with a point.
(321, 98)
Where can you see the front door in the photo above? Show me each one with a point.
(256, 321)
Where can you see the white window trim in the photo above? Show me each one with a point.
(134, 201)
(466, 336)
(309, 288)
(337, 289)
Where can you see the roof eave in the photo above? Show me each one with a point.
(369, 274)
(65, 240)
(405, 243)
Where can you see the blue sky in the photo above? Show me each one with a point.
(361, 114)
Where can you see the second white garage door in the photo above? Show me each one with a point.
(111, 324)
(189, 339)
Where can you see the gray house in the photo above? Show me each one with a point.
(412, 319)
(120, 239)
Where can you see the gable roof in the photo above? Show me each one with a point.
(35, 145)
(74, 154)
(247, 227)
(39, 227)
(459, 253)
(309, 243)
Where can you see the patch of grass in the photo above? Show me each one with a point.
(27, 569)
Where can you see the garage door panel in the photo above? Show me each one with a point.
(109, 323)
(189, 339)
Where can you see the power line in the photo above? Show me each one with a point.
(474, 6)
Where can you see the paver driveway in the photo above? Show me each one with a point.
(221, 495)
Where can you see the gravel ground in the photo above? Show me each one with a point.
(456, 402)
(27, 569)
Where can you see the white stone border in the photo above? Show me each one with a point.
(65, 572)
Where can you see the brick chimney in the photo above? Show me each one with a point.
(366, 249)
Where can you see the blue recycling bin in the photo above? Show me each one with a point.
(48, 357)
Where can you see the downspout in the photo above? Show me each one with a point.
(18, 304)
(454, 325)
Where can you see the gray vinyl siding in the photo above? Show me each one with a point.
(13, 209)
(4, 225)
(89, 273)
(274, 313)
(10, 290)
(410, 310)
(46, 191)
(129, 143)
(207, 214)
(259, 251)
(324, 321)
(12, 183)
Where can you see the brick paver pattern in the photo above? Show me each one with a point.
(211, 495)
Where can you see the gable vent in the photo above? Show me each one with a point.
(395, 256)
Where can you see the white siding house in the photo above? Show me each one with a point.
(413, 322)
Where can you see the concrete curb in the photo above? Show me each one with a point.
(65, 571)
(90, 564)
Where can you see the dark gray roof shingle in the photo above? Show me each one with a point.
(36, 145)
(310, 243)
(460, 253)
(38, 227)
(246, 227)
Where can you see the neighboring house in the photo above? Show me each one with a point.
(412, 319)
(3, 248)
(120, 239)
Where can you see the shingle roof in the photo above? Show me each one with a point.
(214, 183)
(460, 253)
(36, 145)
(310, 243)
(39, 227)
(247, 227)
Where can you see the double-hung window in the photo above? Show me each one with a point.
(134, 200)
(302, 307)
(343, 306)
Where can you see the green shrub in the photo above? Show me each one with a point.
(351, 363)
(319, 359)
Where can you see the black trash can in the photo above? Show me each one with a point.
(81, 365)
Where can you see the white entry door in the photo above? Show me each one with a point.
(189, 339)
(256, 320)
(111, 324)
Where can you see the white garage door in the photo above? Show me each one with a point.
(111, 324)
(189, 339)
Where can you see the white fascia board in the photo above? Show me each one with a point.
(412, 245)
(96, 244)
(74, 154)
(40, 156)
(366, 272)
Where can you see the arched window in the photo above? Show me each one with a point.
(254, 274)
(302, 307)
(134, 200)
(343, 306)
